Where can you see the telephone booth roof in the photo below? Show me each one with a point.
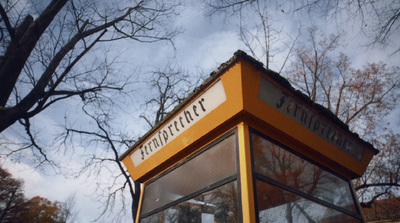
(243, 90)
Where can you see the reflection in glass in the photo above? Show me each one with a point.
(213, 165)
(218, 205)
(279, 206)
(283, 166)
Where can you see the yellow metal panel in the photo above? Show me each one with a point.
(272, 117)
(241, 81)
(140, 206)
(233, 105)
(204, 143)
(246, 178)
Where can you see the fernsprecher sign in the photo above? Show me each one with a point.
(291, 107)
(204, 104)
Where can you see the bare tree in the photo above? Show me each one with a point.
(53, 57)
(258, 28)
(59, 55)
(310, 71)
(260, 34)
(382, 177)
(361, 98)
(378, 20)
(110, 144)
(169, 86)
(226, 6)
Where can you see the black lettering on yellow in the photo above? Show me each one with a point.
(176, 126)
(188, 116)
(141, 152)
(324, 125)
(296, 106)
(194, 110)
(180, 120)
(201, 104)
(339, 139)
(311, 119)
(316, 125)
(155, 143)
(165, 135)
(330, 134)
(170, 130)
(281, 101)
(159, 137)
(304, 116)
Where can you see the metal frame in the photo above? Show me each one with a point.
(207, 188)
(257, 176)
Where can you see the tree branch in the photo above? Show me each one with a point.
(386, 184)
(37, 92)
(19, 50)
(7, 22)
(27, 125)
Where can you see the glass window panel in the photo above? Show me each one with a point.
(211, 166)
(283, 166)
(279, 206)
(218, 205)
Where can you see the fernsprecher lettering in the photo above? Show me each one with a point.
(291, 107)
(200, 107)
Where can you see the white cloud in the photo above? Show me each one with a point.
(208, 52)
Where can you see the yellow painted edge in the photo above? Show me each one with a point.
(246, 176)
(140, 203)
(231, 80)
(270, 115)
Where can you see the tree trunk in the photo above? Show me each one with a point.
(21, 46)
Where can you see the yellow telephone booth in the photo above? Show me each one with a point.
(246, 147)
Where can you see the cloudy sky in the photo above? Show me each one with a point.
(205, 43)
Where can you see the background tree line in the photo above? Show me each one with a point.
(60, 53)
(15, 207)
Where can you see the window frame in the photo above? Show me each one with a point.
(257, 176)
(215, 185)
